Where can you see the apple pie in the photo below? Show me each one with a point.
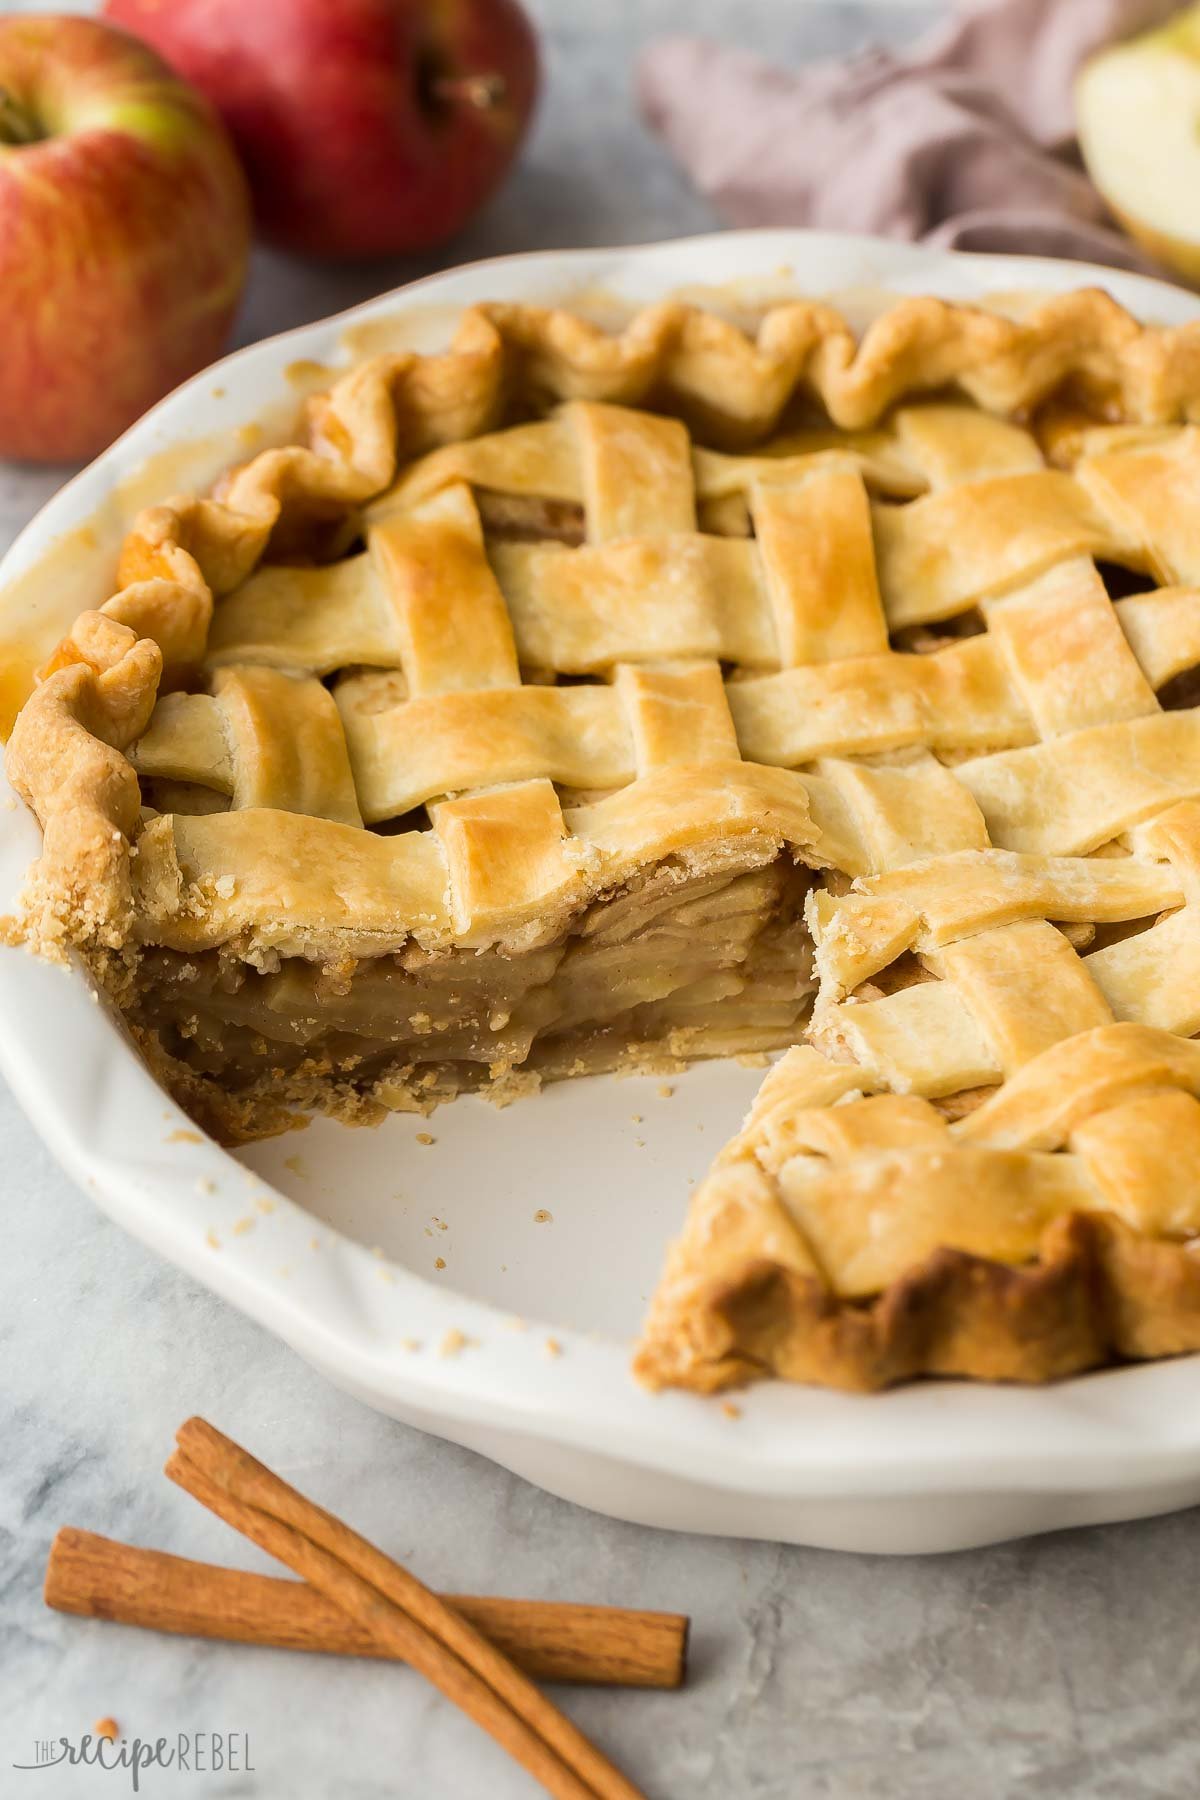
(572, 701)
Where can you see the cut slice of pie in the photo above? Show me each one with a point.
(571, 701)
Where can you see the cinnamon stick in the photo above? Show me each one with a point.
(414, 1624)
(98, 1578)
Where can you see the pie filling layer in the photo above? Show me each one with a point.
(684, 966)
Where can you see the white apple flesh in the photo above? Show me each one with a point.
(1138, 118)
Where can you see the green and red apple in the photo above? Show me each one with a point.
(124, 234)
(367, 127)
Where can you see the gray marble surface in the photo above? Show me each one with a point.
(1064, 1667)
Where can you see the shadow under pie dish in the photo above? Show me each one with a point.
(570, 701)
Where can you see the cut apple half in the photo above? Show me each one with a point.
(1138, 118)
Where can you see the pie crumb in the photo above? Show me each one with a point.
(212, 1240)
(731, 1409)
(635, 1118)
(439, 1262)
(542, 1217)
(184, 1137)
(265, 1204)
(243, 1225)
(454, 1341)
(665, 1089)
(553, 1347)
(426, 1137)
(106, 1728)
(410, 1343)
(206, 1185)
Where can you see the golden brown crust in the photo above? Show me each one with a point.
(707, 681)
(1097, 1293)
(1064, 1174)
(67, 760)
(184, 552)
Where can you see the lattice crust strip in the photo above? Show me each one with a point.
(670, 618)
(861, 1240)
(99, 686)
(445, 710)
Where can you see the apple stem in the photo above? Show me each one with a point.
(16, 124)
(481, 91)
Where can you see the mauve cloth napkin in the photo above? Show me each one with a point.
(963, 141)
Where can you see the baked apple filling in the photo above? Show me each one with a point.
(678, 967)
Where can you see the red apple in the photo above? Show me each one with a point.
(367, 127)
(124, 234)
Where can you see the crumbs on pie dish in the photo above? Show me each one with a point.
(571, 701)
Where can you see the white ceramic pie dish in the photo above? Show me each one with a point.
(331, 1238)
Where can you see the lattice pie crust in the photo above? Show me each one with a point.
(570, 700)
